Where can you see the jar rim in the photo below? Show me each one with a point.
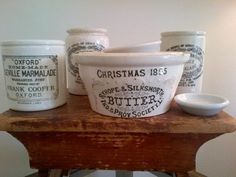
(32, 42)
(131, 59)
(86, 30)
(180, 33)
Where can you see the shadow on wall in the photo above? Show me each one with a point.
(219, 156)
(3, 98)
(13, 154)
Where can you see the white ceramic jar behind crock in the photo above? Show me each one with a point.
(34, 72)
(194, 43)
(82, 40)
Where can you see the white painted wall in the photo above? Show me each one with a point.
(131, 22)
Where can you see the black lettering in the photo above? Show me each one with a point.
(144, 102)
(99, 73)
(118, 101)
(136, 101)
(142, 72)
(127, 101)
(124, 73)
(109, 74)
(152, 99)
(118, 73)
(110, 100)
(130, 73)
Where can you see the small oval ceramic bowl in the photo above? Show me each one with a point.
(201, 104)
(131, 84)
(153, 46)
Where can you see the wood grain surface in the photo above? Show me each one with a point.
(133, 151)
(77, 116)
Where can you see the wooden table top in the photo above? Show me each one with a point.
(77, 116)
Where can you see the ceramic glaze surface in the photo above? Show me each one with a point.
(194, 43)
(34, 73)
(131, 85)
(201, 104)
(145, 47)
(82, 40)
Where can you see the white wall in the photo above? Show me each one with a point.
(131, 22)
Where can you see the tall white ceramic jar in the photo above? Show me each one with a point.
(82, 40)
(194, 43)
(34, 72)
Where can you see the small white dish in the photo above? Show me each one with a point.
(153, 46)
(201, 104)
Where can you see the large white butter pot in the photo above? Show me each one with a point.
(131, 84)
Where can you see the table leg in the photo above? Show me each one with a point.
(182, 175)
(195, 174)
(124, 173)
(50, 173)
(157, 173)
(56, 173)
(43, 173)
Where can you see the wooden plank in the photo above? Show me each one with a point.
(133, 151)
(76, 116)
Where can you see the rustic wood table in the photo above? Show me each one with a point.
(73, 136)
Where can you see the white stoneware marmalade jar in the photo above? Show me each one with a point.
(82, 40)
(34, 73)
(194, 43)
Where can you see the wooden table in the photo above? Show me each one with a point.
(73, 136)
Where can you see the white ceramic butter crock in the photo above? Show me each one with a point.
(131, 84)
(34, 72)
